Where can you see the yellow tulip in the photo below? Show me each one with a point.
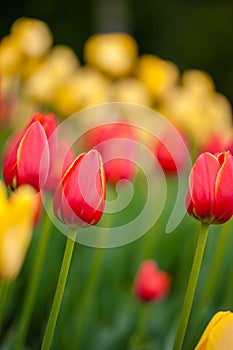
(130, 90)
(197, 81)
(84, 88)
(58, 65)
(218, 335)
(112, 53)
(158, 75)
(10, 57)
(33, 36)
(16, 216)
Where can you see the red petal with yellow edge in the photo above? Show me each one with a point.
(33, 157)
(10, 166)
(47, 121)
(79, 198)
(202, 184)
(224, 189)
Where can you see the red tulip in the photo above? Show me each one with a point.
(171, 153)
(150, 283)
(210, 195)
(115, 144)
(214, 144)
(80, 197)
(64, 157)
(24, 156)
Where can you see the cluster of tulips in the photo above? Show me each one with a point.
(40, 165)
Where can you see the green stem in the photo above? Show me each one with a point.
(221, 248)
(86, 299)
(30, 296)
(138, 336)
(188, 301)
(59, 293)
(3, 297)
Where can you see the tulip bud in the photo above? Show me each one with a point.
(24, 157)
(115, 144)
(218, 333)
(210, 195)
(150, 283)
(80, 196)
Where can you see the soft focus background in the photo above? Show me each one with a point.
(192, 34)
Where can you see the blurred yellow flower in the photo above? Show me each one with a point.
(157, 74)
(56, 67)
(198, 81)
(129, 90)
(113, 53)
(84, 88)
(16, 216)
(218, 334)
(33, 36)
(197, 108)
(10, 58)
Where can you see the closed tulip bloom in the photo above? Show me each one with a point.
(150, 283)
(27, 159)
(80, 196)
(210, 195)
(218, 335)
(17, 215)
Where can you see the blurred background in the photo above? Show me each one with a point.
(187, 34)
(193, 34)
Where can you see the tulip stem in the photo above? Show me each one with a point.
(59, 292)
(86, 298)
(139, 337)
(31, 290)
(5, 284)
(221, 247)
(190, 292)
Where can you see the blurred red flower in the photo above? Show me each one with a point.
(150, 283)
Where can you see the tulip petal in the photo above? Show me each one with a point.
(223, 209)
(33, 157)
(202, 184)
(213, 322)
(48, 123)
(10, 163)
(79, 198)
(220, 337)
